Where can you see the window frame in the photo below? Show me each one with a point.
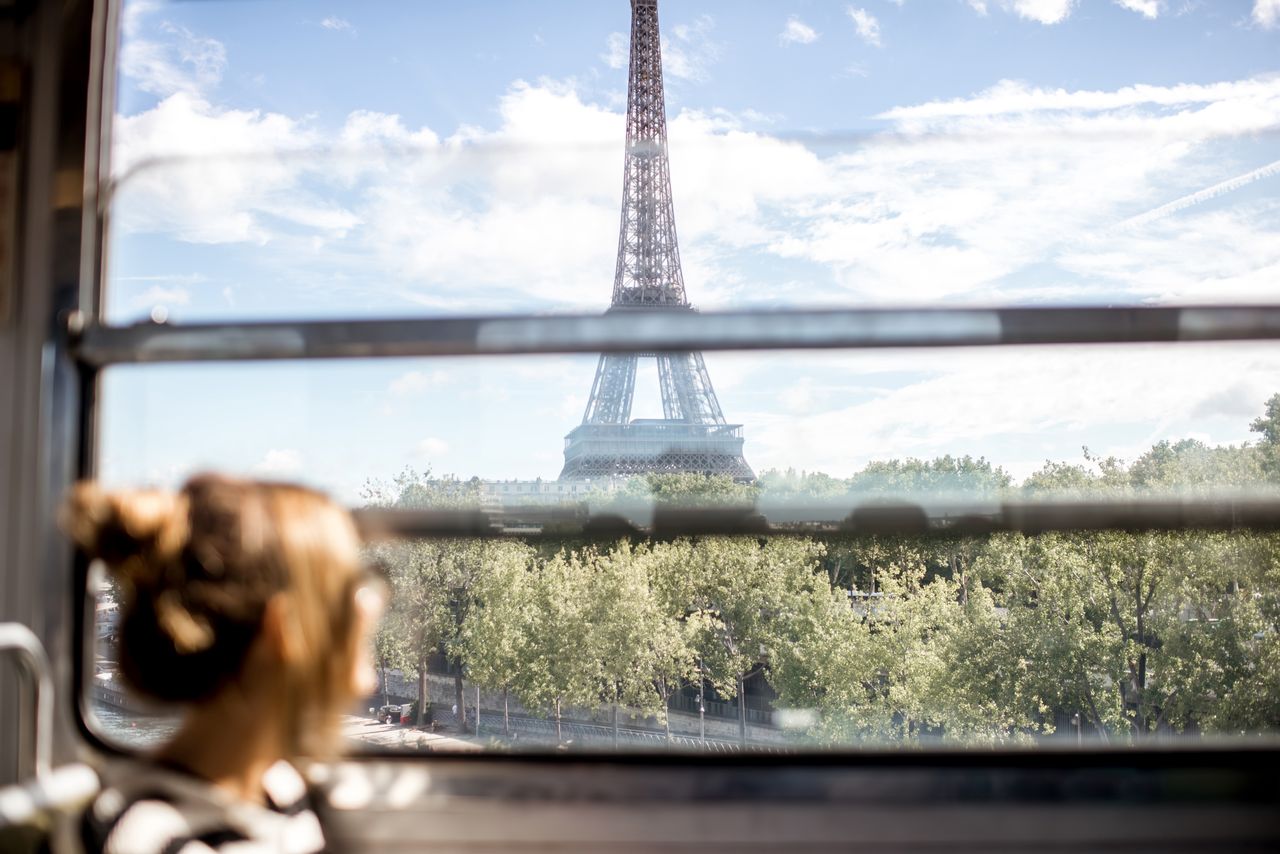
(84, 347)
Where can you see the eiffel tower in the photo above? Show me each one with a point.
(692, 435)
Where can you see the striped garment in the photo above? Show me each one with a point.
(146, 808)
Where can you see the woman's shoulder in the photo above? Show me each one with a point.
(145, 807)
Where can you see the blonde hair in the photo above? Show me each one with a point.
(196, 570)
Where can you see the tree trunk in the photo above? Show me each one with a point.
(1093, 713)
(742, 711)
(702, 706)
(477, 711)
(1143, 729)
(666, 709)
(423, 698)
(506, 714)
(386, 700)
(559, 737)
(962, 577)
(615, 726)
(1141, 683)
(462, 701)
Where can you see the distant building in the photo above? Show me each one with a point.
(514, 493)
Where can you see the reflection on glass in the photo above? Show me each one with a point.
(800, 642)
(416, 158)
(564, 631)
(251, 181)
(983, 423)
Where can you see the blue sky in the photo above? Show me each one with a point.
(303, 159)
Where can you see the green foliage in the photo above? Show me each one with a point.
(1268, 425)
(944, 475)
(800, 487)
(686, 490)
(1192, 466)
(434, 582)
(976, 640)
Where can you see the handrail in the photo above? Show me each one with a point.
(21, 643)
(51, 788)
(869, 518)
(666, 331)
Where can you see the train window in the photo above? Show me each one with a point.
(417, 159)
(842, 502)
(953, 629)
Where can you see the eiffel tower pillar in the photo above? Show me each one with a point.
(692, 435)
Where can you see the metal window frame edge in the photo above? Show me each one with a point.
(99, 345)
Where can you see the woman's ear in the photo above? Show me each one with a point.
(280, 631)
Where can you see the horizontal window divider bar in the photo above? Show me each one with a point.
(874, 518)
(667, 330)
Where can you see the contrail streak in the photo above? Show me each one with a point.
(1203, 195)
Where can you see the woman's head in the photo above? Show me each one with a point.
(228, 583)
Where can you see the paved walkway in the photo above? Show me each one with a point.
(394, 736)
(530, 732)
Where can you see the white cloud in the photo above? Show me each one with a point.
(1011, 96)
(690, 52)
(204, 173)
(866, 24)
(1266, 13)
(797, 31)
(333, 22)
(175, 279)
(1042, 11)
(987, 188)
(1015, 193)
(135, 12)
(416, 382)
(183, 62)
(1042, 404)
(431, 447)
(618, 48)
(1146, 8)
(1012, 193)
(434, 220)
(157, 295)
(280, 462)
(237, 179)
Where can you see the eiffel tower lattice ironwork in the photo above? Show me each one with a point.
(692, 435)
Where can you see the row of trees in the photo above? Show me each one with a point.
(976, 640)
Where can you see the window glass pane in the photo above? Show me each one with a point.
(273, 160)
(1189, 410)
(840, 638)
(882, 641)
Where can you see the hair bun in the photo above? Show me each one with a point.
(118, 526)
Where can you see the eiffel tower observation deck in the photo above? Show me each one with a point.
(693, 435)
